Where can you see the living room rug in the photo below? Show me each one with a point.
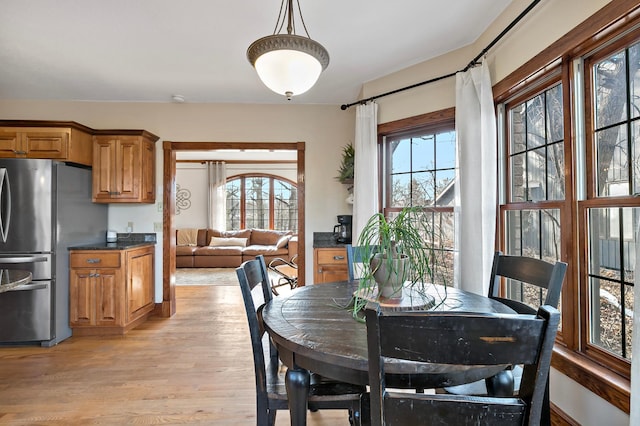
(209, 276)
(206, 276)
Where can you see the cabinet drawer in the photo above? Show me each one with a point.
(332, 257)
(95, 260)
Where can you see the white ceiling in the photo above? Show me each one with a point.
(149, 50)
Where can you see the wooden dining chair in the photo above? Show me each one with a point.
(271, 393)
(357, 255)
(459, 339)
(528, 284)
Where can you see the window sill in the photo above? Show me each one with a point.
(607, 385)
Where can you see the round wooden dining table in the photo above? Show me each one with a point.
(314, 331)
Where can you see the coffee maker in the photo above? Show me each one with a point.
(342, 230)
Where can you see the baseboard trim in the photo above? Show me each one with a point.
(560, 418)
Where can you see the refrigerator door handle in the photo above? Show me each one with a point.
(22, 259)
(5, 204)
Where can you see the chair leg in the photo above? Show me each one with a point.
(272, 417)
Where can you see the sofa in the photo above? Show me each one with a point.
(210, 248)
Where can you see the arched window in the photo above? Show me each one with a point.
(262, 201)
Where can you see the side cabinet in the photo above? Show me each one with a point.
(329, 264)
(110, 291)
(124, 168)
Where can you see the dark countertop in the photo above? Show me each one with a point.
(12, 278)
(325, 240)
(119, 245)
(124, 242)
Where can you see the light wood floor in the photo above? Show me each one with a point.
(194, 368)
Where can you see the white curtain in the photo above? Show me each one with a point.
(217, 203)
(634, 415)
(476, 189)
(365, 178)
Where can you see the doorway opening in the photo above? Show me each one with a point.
(170, 149)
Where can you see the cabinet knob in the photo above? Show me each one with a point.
(338, 257)
(94, 260)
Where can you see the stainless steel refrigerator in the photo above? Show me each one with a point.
(45, 207)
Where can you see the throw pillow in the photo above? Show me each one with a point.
(226, 242)
(283, 241)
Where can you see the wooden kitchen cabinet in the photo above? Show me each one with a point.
(329, 265)
(58, 143)
(110, 291)
(124, 167)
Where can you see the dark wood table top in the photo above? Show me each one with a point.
(314, 331)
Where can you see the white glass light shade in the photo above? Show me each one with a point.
(288, 64)
(288, 72)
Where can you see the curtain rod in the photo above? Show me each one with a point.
(473, 62)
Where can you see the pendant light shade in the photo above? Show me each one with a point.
(288, 64)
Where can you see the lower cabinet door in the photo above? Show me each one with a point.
(81, 297)
(108, 309)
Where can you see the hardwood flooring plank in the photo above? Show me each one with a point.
(194, 368)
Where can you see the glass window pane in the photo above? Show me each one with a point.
(446, 150)
(555, 172)
(422, 150)
(536, 174)
(635, 144)
(555, 114)
(233, 204)
(445, 192)
(401, 156)
(423, 189)
(611, 273)
(634, 80)
(285, 209)
(257, 202)
(518, 130)
(518, 183)
(610, 88)
(401, 190)
(612, 162)
(536, 134)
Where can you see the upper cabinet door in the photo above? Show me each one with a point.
(123, 169)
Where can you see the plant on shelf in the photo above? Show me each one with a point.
(399, 260)
(346, 170)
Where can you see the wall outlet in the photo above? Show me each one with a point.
(130, 227)
(160, 207)
(157, 226)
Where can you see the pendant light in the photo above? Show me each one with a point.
(288, 64)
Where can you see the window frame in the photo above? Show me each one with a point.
(272, 178)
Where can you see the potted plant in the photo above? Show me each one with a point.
(346, 170)
(399, 258)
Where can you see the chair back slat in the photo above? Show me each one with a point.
(489, 339)
(356, 255)
(537, 272)
(460, 339)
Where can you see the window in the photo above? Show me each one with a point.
(263, 202)
(611, 206)
(531, 218)
(579, 201)
(420, 171)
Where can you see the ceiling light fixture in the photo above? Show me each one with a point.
(288, 64)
